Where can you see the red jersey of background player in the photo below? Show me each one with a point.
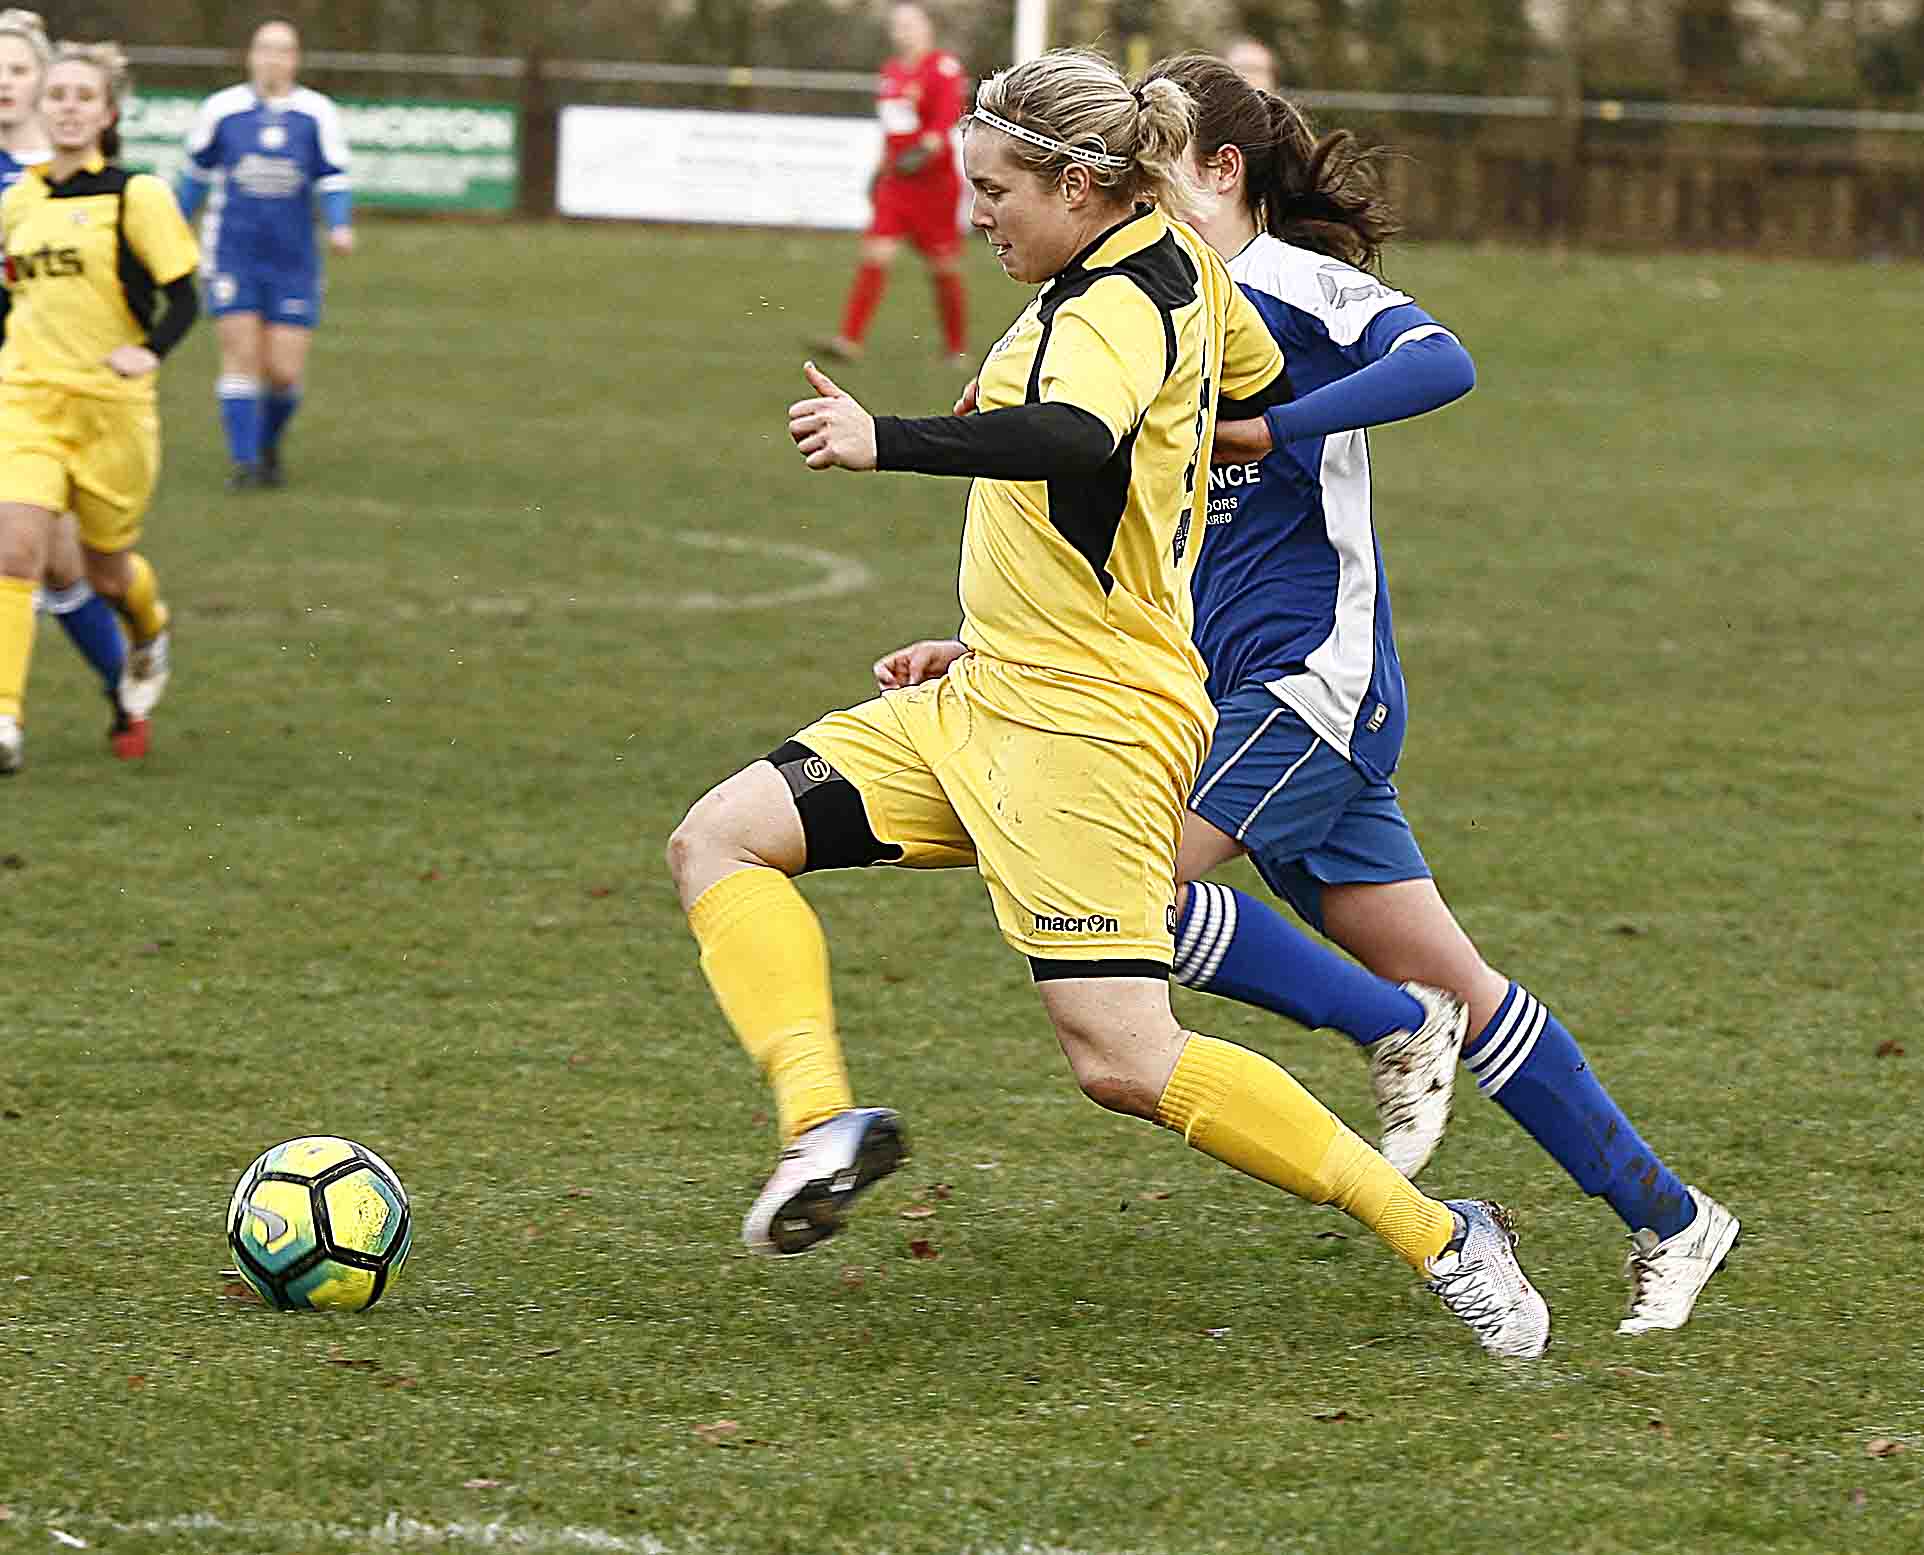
(919, 103)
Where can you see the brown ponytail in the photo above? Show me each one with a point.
(1320, 193)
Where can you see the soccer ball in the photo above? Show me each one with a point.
(319, 1224)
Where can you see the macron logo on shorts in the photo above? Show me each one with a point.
(1094, 923)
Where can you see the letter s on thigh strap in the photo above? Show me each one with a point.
(866, 795)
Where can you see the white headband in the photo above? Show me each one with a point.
(1061, 147)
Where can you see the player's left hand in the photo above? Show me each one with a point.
(832, 431)
(341, 239)
(971, 397)
(1238, 441)
(132, 361)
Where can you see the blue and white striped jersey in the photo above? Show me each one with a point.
(1289, 590)
(266, 160)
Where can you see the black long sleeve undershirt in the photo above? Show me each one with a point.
(183, 307)
(1276, 392)
(1021, 443)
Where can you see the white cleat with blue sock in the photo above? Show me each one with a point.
(1413, 1077)
(1478, 1278)
(807, 1198)
(1667, 1277)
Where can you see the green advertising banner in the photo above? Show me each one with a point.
(408, 154)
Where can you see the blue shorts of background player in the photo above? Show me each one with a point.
(279, 297)
(1306, 816)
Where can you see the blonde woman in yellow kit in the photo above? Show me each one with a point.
(99, 287)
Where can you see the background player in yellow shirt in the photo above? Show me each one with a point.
(1057, 754)
(99, 287)
(84, 616)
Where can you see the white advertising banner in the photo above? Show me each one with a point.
(743, 169)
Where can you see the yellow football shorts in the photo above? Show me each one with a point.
(1072, 813)
(96, 458)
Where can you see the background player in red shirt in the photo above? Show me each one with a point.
(917, 190)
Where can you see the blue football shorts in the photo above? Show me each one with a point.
(278, 296)
(1306, 816)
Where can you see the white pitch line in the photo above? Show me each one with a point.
(836, 575)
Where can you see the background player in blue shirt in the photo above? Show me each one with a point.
(66, 595)
(1293, 618)
(266, 151)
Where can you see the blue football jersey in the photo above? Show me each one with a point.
(267, 161)
(1289, 591)
(11, 167)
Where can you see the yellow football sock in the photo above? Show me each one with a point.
(1242, 1109)
(16, 643)
(146, 615)
(763, 953)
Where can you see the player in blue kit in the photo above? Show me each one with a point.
(1293, 618)
(266, 151)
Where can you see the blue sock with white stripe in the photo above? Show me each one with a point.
(1532, 1068)
(279, 410)
(90, 621)
(1231, 944)
(240, 416)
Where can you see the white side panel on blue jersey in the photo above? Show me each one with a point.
(334, 148)
(1335, 679)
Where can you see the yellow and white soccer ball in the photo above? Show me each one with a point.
(319, 1224)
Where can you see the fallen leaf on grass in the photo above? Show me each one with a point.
(1331, 1236)
(554, 1349)
(358, 1363)
(1154, 1193)
(852, 1277)
(939, 1191)
(6, 1514)
(720, 1434)
(61, 1536)
(1216, 1333)
(1883, 1447)
(10, 1115)
(481, 1484)
(1659, 1427)
(430, 874)
(1858, 1498)
(1890, 1047)
(1339, 1417)
(601, 890)
(917, 1212)
(136, 1382)
(579, 1193)
(398, 1382)
(13, 861)
(239, 1290)
(922, 1247)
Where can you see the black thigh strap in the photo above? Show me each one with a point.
(1049, 971)
(834, 824)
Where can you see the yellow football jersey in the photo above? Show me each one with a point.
(85, 258)
(1090, 577)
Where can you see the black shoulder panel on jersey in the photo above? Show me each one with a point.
(1087, 511)
(111, 179)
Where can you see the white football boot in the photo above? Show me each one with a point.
(807, 1198)
(1413, 1077)
(1667, 1277)
(13, 746)
(1478, 1278)
(145, 678)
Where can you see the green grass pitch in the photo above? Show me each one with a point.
(549, 567)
